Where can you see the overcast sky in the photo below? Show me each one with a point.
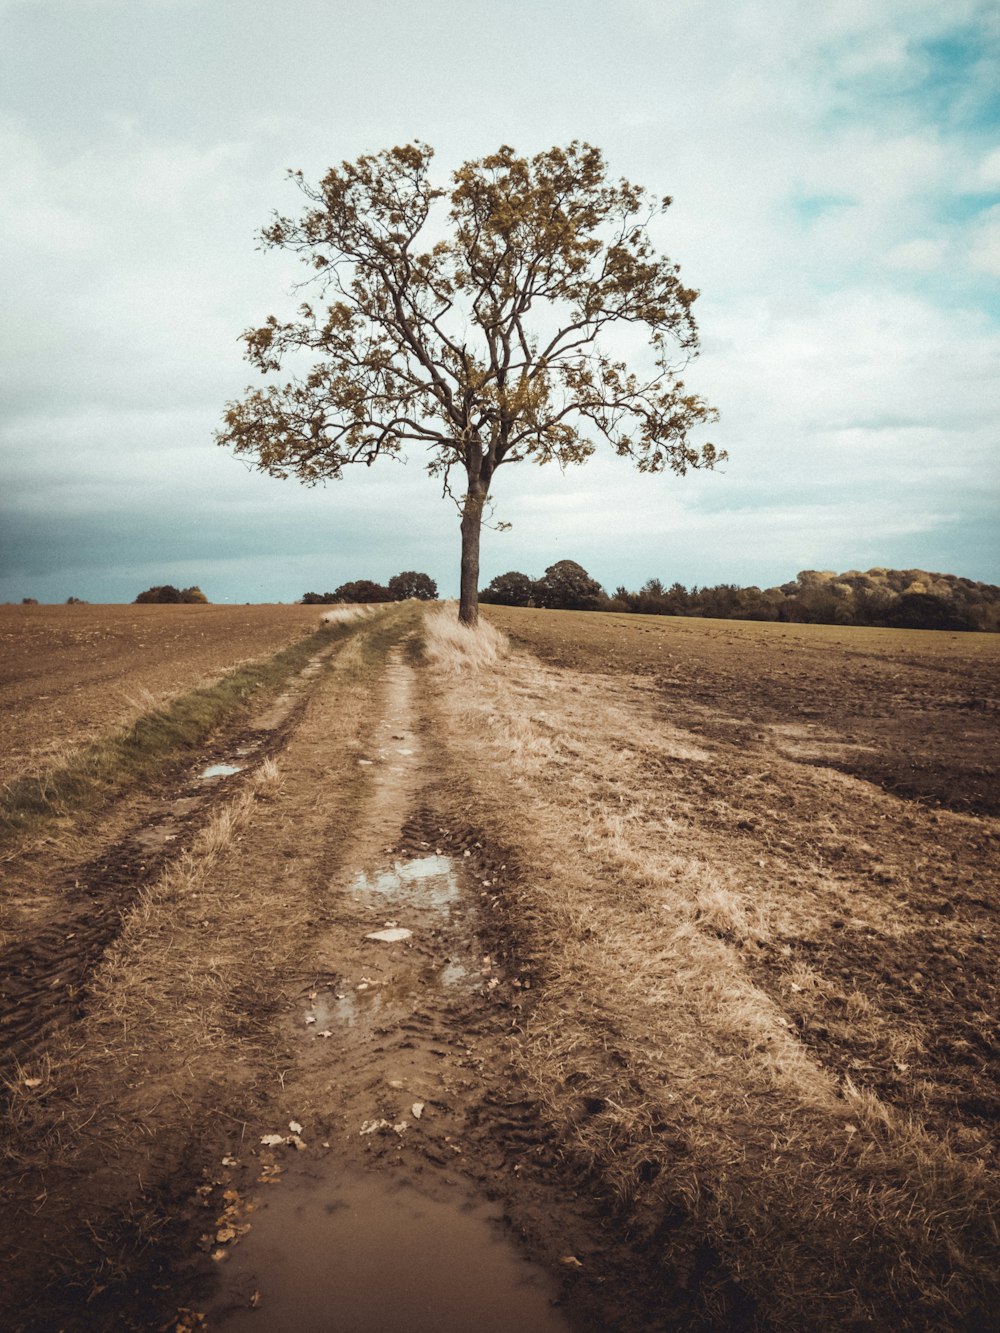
(836, 175)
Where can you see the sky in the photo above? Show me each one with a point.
(835, 171)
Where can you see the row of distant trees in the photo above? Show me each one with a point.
(897, 598)
(904, 599)
(410, 583)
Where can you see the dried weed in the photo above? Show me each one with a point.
(451, 647)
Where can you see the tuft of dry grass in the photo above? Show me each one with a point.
(452, 647)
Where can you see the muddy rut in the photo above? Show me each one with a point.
(46, 970)
(388, 1045)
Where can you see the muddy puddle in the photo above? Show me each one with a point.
(365, 1254)
(428, 882)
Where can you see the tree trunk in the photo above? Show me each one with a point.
(472, 519)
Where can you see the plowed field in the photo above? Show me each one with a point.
(69, 673)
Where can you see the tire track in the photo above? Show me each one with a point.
(44, 977)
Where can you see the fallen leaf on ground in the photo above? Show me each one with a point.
(272, 1140)
(32, 1082)
(295, 1127)
(570, 1261)
(230, 1161)
(417, 1110)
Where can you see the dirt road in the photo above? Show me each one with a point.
(708, 1022)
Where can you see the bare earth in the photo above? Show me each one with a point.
(69, 673)
(697, 986)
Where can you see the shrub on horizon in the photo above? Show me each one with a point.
(167, 593)
(362, 590)
(411, 583)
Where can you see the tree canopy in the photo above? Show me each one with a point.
(567, 586)
(474, 321)
(168, 593)
(412, 583)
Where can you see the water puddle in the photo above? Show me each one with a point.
(345, 1006)
(365, 1255)
(452, 974)
(428, 881)
(155, 837)
(220, 770)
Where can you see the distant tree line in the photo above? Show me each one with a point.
(895, 598)
(411, 583)
(168, 593)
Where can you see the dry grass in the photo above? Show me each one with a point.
(668, 1074)
(340, 614)
(451, 647)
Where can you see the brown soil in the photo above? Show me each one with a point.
(902, 895)
(712, 1021)
(914, 711)
(70, 673)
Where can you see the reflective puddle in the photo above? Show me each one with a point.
(428, 881)
(220, 770)
(364, 1255)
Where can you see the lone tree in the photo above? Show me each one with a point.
(473, 320)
